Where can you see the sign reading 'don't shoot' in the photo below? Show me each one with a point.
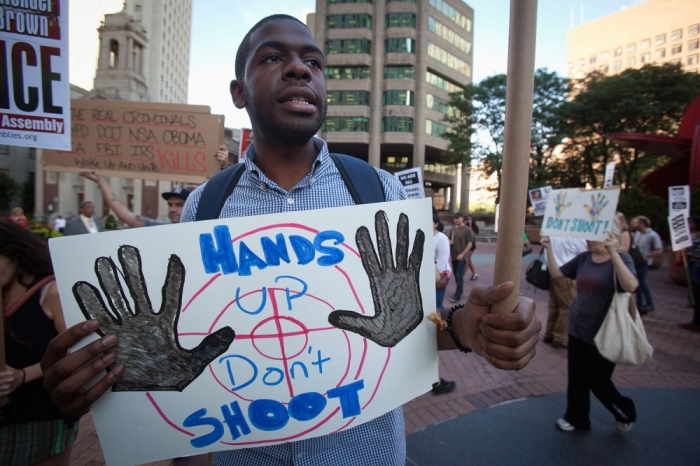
(255, 331)
(580, 213)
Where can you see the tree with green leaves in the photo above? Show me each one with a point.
(8, 190)
(478, 125)
(649, 100)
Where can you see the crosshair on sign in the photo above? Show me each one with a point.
(284, 346)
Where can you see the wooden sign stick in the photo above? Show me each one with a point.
(516, 148)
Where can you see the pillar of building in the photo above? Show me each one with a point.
(375, 109)
(464, 191)
(419, 136)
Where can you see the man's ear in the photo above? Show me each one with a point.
(238, 93)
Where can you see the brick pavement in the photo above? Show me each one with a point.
(676, 364)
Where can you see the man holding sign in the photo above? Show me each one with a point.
(279, 81)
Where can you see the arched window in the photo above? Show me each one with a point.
(113, 54)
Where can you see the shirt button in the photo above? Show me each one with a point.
(299, 455)
(290, 200)
(262, 186)
(313, 180)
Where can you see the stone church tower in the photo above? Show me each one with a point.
(121, 63)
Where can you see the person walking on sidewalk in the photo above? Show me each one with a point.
(461, 239)
(649, 244)
(596, 273)
(471, 223)
(441, 245)
(693, 255)
(562, 290)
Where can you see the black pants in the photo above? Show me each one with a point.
(591, 372)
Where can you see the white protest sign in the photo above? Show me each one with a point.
(579, 213)
(538, 199)
(34, 89)
(412, 181)
(609, 174)
(296, 368)
(680, 231)
(679, 200)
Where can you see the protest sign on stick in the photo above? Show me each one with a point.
(141, 140)
(679, 200)
(34, 84)
(609, 174)
(246, 140)
(680, 231)
(580, 213)
(516, 147)
(412, 181)
(255, 331)
(538, 199)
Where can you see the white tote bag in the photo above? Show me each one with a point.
(622, 339)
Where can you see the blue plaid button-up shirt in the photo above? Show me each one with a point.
(381, 441)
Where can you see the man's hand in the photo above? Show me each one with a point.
(398, 307)
(222, 156)
(66, 374)
(507, 341)
(545, 241)
(149, 347)
(90, 175)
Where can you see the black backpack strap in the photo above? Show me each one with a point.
(216, 191)
(361, 179)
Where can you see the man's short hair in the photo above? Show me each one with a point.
(84, 203)
(645, 220)
(458, 214)
(244, 48)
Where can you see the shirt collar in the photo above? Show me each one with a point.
(319, 166)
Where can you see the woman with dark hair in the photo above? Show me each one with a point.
(693, 254)
(471, 223)
(598, 273)
(32, 429)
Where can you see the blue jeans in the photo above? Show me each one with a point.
(440, 297)
(643, 291)
(458, 269)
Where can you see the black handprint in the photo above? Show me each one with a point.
(148, 344)
(398, 307)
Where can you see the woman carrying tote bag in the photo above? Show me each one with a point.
(588, 371)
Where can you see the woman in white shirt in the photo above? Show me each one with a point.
(442, 257)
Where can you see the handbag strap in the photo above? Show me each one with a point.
(12, 308)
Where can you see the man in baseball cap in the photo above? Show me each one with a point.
(176, 201)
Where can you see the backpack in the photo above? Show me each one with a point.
(537, 273)
(360, 178)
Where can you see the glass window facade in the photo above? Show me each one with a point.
(398, 98)
(694, 30)
(400, 45)
(446, 58)
(328, 2)
(348, 46)
(660, 40)
(348, 97)
(457, 17)
(693, 44)
(677, 34)
(346, 124)
(398, 20)
(645, 44)
(399, 72)
(441, 82)
(449, 35)
(436, 103)
(397, 124)
(347, 72)
(434, 128)
(391, 161)
(361, 20)
(676, 49)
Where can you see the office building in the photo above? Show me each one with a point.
(390, 66)
(652, 32)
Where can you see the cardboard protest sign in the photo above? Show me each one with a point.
(412, 181)
(141, 140)
(609, 174)
(680, 231)
(538, 199)
(34, 85)
(580, 213)
(255, 331)
(246, 140)
(679, 200)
